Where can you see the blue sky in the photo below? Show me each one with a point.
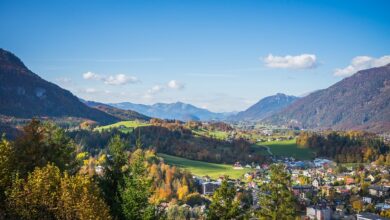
(221, 55)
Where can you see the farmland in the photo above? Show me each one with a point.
(201, 168)
(221, 135)
(287, 148)
(124, 126)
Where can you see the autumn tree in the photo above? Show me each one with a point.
(6, 170)
(49, 194)
(41, 144)
(224, 204)
(276, 201)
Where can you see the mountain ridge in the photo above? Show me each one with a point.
(177, 110)
(265, 107)
(24, 94)
(361, 101)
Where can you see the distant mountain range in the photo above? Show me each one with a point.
(23, 94)
(361, 101)
(180, 111)
(265, 107)
(122, 114)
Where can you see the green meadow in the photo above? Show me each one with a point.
(221, 135)
(200, 168)
(288, 148)
(124, 126)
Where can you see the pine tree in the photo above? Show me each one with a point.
(275, 199)
(137, 189)
(224, 204)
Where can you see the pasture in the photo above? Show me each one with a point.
(200, 168)
(288, 148)
(124, 126)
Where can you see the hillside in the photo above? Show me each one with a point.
(265, 107)
(180, 111)
(124, 115)
(24, 94)
(361, 101)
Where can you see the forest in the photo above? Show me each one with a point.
(174, 138)
(345, 146)
(44, 174)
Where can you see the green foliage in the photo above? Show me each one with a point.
(41, 144)
(6, 168)
(113, 178)
(276, 201)
(136, 190)
(224, 204)
(345, 147)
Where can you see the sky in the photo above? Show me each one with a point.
(219, 55)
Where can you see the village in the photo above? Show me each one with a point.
(322, 188)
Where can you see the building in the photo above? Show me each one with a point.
(319, 213)
(316, 183)
(208, 188)
(379, 191)
(369, 216)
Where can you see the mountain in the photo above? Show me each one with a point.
(178, 110)
(265, 107)
(124, 115)
(23, 94)
(361, 101)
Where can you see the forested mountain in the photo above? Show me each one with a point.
(178, 110)
(23, 94)
(265, 107)
(361, 101)
(124, 115)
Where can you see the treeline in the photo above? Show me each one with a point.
(345, 147)
(44, 174)
(174, 139)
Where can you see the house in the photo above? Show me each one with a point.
(366, 200)
(319, 213)
(208, 188)
(301, 190)
(379, 191)
(99, 170)
(237, 166)
(316, 183)
(369, 216)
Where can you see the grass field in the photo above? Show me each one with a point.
(124, 126)
(288, 148)
(221, 135)
(201, 168)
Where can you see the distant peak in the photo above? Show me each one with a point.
(8, 58)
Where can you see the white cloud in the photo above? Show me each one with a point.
(303, 61)
(119, 79)
(360, 63)
(174, 84)
(91, 75)
(156, 89)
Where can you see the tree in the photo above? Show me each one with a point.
(275, 199)
(116, 162)
(6, 172)
(224, 204)
(137, 189)
(49, 194)
(41, 144)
